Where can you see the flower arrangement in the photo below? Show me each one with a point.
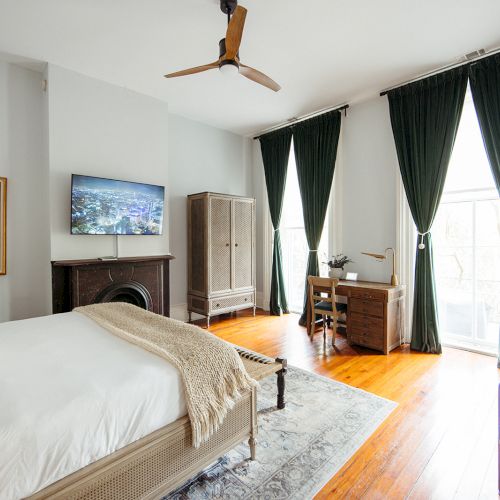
(339, 261)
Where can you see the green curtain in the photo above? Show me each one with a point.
(315, 144)
(485, 86)
(275, 148)
(425, 116)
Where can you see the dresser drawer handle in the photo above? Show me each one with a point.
(246, 299)
(217, 305)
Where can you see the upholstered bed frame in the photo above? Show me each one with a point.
(163, 460)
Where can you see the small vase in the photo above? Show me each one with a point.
(336, 273)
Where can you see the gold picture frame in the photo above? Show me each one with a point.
(3, 225)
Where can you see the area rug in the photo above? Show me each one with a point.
(299, 448)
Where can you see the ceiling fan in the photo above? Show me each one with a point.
(229, 57)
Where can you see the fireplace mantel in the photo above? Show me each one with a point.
(140, 280)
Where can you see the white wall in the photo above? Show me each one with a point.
(369, 171)
(25, 290)
(107, 131)
(82, 125)
(201, 158)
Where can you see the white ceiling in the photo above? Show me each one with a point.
(322, 52)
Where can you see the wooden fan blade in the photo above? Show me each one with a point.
(256, 76)
(235, 32)
(192, 71)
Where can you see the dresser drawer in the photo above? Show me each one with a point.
(361, 306)
(231, 303)
(367, 322)
(359, 293)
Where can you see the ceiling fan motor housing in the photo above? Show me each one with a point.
(222, 52)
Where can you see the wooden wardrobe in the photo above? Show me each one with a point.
(221, 254)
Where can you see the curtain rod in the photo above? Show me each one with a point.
(293, 121)
(481, 54)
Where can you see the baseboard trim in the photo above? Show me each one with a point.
(259, 300)
(180, 313)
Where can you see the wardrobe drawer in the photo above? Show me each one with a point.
(366, 307)
(232, 303)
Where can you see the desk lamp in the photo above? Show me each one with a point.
(381, 257)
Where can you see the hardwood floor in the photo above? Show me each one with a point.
(441, 440)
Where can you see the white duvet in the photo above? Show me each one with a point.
(72, 393)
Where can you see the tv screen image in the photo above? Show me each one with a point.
(107, 206)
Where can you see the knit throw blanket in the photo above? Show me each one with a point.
(211, 369)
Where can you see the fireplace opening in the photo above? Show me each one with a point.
(130, 292)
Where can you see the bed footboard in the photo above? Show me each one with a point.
(158, 463)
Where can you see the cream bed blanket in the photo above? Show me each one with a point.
(211, 369)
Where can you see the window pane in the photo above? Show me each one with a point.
(488, 222)
(453, 225)
(295, 252)
(453, 267)
(469, 167)
(291, 215)
(488, 311)
(294, 242)
(488, 270)
(466, 235)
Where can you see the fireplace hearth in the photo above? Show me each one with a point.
(142, 281)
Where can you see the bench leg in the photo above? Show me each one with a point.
(252, 441)
(281, 383)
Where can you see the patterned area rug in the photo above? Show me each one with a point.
(299, 448)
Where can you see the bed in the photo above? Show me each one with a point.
(107, 431)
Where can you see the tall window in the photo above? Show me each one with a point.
(294, 243)
(466, 235)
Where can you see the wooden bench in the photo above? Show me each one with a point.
(259, 367)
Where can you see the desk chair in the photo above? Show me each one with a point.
(323, 305)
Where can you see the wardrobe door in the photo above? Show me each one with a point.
(197, 247)
(243, 229)
(220, 244)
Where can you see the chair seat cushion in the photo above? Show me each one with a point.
(327, 306)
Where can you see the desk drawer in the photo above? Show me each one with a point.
(366, 307)
(360, 293)
(367, 340)
(365, 322)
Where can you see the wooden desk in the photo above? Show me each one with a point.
(375, 314)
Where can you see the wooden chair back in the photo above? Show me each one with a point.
(318, 285)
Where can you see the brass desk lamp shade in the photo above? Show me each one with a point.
(379, 256)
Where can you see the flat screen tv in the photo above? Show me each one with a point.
(107, 206)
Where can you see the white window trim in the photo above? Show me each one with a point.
(406, 241)
(267, 250)
(335, 230)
